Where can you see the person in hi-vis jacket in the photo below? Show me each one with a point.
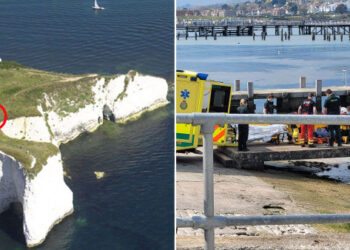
(308, 107)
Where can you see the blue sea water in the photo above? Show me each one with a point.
(132, 206)
(68, 36)
(268, 64)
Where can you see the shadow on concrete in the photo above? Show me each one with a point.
(193, 164)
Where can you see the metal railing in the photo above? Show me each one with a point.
(209, 222)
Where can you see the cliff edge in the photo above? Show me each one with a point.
(46, 109)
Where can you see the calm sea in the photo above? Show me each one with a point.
(132, 206)
(268, 64)
(68, 36)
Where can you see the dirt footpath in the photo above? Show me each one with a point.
(240, 192)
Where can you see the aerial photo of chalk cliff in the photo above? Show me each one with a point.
(86, 138)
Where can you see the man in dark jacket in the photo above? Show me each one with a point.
(308, 107)
(332, 107)
(268, 105)
(243, 129)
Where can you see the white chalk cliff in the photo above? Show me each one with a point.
(141, 93)
(46, 199)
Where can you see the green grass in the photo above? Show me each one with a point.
(130, 76)
(314, 195)
(22, 90)
(71, 97)
(23, 151)
(341, 228)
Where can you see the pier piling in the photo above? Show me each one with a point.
(302, 82)
(277, 30)
(282, 28)
(250, 89)
(237, 85)
(282, 35)
(318, 90)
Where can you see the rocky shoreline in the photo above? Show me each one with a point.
(337, 169)
(45, 198)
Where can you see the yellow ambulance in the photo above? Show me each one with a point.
(194, 94)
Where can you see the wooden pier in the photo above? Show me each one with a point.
(205, 28)
(288, 100)
(261, 152)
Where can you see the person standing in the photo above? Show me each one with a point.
(308, 107)
(268, 105)
(243, 129)
(332, 107)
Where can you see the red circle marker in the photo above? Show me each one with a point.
(5, 116)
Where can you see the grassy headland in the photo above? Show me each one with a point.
(23, 89)
(24, 151)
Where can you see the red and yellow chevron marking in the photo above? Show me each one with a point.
(219, 133)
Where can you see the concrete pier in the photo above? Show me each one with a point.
(246, 28)
(288, 100)
(261, 152)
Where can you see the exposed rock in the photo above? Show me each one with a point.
(99, 175)
(140, 94)
(46, 199)
(108, 114)
(273, 206)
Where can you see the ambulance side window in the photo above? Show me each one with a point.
(220, 98)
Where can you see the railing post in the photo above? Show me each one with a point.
(207, 130)
(303, 82)
(237, 85)
(318, 90)
(250, 89)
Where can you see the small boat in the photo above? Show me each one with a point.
(97, 7)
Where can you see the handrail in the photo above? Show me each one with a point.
(219, 118)
(207, 122)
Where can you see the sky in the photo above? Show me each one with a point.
(180, 3)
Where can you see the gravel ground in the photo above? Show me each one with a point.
(292, 242)
(239, 192)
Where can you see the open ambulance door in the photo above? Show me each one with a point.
(220, 102)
